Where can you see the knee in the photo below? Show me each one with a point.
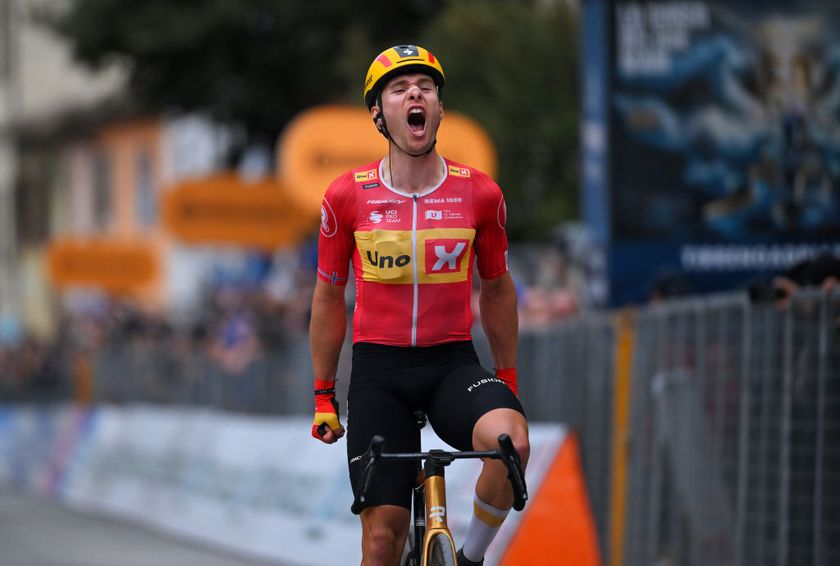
(381, 544)
(519, 437)
(522, 446)
(489, 427)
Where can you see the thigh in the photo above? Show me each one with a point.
(377, 411)
(462, 397)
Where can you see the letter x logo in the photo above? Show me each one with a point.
(444, 255)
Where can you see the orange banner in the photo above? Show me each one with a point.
(224, 209)
(322, 143)
(119, 267)
(558, 528)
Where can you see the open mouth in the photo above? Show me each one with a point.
(417, 120)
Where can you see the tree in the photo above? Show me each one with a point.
(513, 66)
(252, 62)
(510, 64)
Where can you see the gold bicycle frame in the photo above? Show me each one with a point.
(431, 487)
(435, 491)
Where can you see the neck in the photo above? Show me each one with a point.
(412, 174)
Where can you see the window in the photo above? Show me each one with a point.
(145, 202)
(102, 187)
(6, 41)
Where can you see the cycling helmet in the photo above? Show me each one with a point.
(399, 60)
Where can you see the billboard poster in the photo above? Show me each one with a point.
(724, 140)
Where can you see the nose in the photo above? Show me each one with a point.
(414, 91)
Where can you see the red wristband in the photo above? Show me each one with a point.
(508, 375)
(324, 395)
(326, 408)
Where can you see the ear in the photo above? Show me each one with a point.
(441, 109)
(376, 116)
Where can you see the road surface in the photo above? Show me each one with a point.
(40, 532)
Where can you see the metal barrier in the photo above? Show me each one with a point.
(731, 451)
(273, 382)
(735, 415)
(709, 428)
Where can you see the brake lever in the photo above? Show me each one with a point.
(515, 475)
(374, 453)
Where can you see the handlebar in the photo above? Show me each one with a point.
(506, 453)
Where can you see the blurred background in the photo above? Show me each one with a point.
(671, 170)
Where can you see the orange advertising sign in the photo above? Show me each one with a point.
(322, 143)
(105, 264)
(225, 209)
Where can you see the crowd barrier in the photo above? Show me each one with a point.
(261, 485)
(707, 426)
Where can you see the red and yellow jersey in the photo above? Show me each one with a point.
(412, 254)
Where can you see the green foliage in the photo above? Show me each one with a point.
(513, 66)
(256, 62)
(510, 64)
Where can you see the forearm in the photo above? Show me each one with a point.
(326, 330)
(497, 301)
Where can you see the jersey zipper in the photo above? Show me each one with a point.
(414, 307)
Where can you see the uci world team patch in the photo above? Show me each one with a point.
(459, 171)
(367, 176)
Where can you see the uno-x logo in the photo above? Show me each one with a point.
(363, 176)
(441, 255)
(387, 261)
(459, 171)
(437, 513)
(444, 255)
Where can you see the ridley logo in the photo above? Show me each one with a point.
(437, 513)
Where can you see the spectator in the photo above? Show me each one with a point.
(821, 271)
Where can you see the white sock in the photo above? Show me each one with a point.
(485, 523)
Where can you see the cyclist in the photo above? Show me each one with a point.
(413, 224)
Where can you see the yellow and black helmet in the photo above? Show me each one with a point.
(399, 60)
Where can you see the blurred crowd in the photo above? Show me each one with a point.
(242, 343)
(239, 342)
(243, 340)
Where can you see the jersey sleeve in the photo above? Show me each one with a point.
(335, 241)
(491, 245)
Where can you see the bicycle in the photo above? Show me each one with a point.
(430, 525)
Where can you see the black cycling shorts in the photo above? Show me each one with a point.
(389, 383)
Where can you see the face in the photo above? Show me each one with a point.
(412, 110)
